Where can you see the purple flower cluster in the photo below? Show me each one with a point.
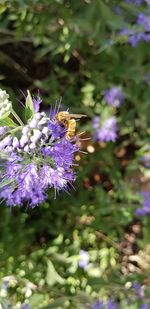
(145, 209)
(140, 31)
(110, 304)
(36, 157)
(114, 96)
(105, 305)
(144, 306)
(105, 131)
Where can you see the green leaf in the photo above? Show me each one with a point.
(5, 115)
(29, 109)
(52, 276)
(35, 300)
(7, 122)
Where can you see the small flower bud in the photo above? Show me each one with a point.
(33, 123)
(45, 130)
(36, 135)
(23, 140)
(5, 104)
(37, 116)
(15, 142)
(9, 149)
(32, 146)
(25, 130)
(7, 141)
(2, 130)
(26, 148)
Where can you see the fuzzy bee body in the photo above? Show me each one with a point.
(69, 122)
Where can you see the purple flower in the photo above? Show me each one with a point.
(134, 2)
(144, 21)
(98, 305)
(36, 102)
(83, 259)
(138, 289)
(110, 304)
(105, 131)
(140, 30)
(117, 10)
(2, 130)
(146, 160)
(144, 306)
(40, 157)
(145, 209)
(25, 306)
(134, 36)
(114, 96)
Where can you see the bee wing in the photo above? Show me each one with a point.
(77, 115)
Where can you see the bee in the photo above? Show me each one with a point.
(69, 122)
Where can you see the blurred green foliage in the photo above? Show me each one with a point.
(72, 49)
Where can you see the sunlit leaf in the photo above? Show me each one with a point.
(29, 107)
(52, 276)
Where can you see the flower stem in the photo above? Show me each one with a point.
(17, 117)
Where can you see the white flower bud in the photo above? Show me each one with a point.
(2, 111)
(15, 142)
(5, 104)
(33, 123)
(7, 140)
(37, 116)
(45, 130)
(23, 140)
(26, 148)
(25, 130)
(32, 146)
(2, 130)
(9, 149)
(36, 135)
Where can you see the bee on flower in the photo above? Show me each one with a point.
(36, 155)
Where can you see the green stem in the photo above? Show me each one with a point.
(17, 117)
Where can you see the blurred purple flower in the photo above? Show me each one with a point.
(134, 37)
(107, 131)
(136, 34)
(146, 160)
(83, 259)
(117, 10)
(105, 305)
(25, 306)
(144, 21)
(145, 209)
(144, 306)
(135, 2)
(114, 96)
(138, 289)
(146, 78)
(98, 305)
